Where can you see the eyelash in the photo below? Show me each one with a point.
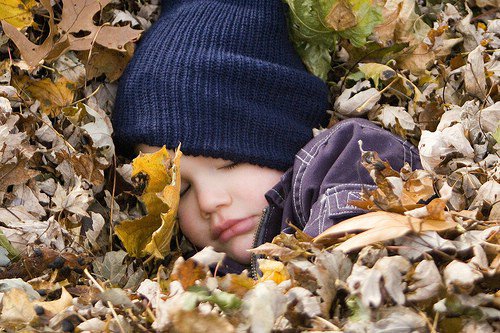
(230, 166)
(185, 190)
(227, 167)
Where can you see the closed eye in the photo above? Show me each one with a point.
(230, 166)
(185, 190)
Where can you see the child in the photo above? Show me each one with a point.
(222, 78)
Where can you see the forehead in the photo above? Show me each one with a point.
(186, 160)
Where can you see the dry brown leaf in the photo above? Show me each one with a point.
(418, 187)
(341, 16)
(188, 272)
(460, 277)
(416, 59)
(378, 227)
(86, 166)
(106, 61)
(384, 32)
(53, 95)
(57, 306)
(15, 172)
(78, 16)
(77, 19)
(386, 196)
(194, 321)
(31, 52)
(271, 250)
(474, 76)
(425, 283)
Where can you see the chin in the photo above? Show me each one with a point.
(238, 247)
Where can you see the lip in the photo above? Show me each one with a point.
(233, 228)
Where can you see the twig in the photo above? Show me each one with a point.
(87, 97)
(112, 206)
(110, 305)
(380, 93)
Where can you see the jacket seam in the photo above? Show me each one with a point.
(278, 194)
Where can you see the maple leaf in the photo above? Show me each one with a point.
(15, 171)
(153, 232)
(317, 25)
(75, 200)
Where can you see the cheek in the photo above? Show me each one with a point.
(191, 225)
(259, 184)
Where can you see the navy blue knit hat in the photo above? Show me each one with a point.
(222, 78)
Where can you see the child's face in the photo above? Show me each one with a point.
(221, 202)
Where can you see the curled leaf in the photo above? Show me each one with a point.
(378, 227)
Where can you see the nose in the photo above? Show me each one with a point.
(211, 198)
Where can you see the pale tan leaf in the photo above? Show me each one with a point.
(378, 227)
(474, 77)
(54, 307)
(16, 308)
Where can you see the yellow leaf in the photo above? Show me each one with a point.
(376, 72)
(53, 96)
(160, 240)
(136, 234)
(154, 166)
(17, 12)
(236, 284)
(273, 270)
(151, 234)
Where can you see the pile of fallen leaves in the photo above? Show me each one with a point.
(88, 239)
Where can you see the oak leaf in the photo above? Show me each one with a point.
(57, 306)
(76, 31)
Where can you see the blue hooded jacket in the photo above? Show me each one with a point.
(327, 174)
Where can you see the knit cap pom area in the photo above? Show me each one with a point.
(222, 78)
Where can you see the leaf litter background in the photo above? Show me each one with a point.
(88, 239)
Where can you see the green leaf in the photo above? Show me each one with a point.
(4, 242)
(368, 16)
(376, 72)
(496, 135)
(316, 25)
(226, 301)
(316, 57)
(197, 294)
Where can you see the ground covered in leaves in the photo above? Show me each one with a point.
(88, 239)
